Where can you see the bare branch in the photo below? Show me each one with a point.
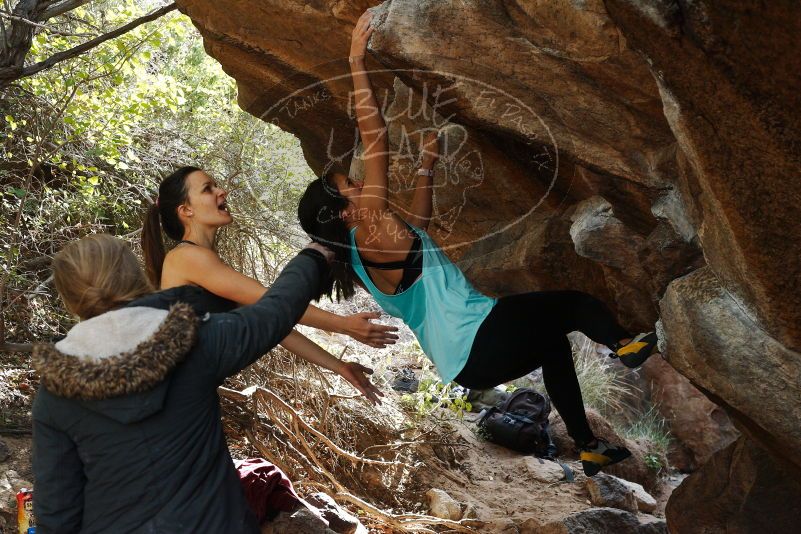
(22, 20)
(16, 347)
(61, 7)
(10, 74)
(43, 27)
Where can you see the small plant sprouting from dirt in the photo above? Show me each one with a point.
(433, 394)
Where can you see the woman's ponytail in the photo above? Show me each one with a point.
(163, 214)
(153, 245)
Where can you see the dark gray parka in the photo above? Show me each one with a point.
(127, 431)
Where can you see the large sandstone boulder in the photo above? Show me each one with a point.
(715, 343)
(610, 146)
(742, 489)
(730, 92)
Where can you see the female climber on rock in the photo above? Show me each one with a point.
(191, 208)
(474, 340)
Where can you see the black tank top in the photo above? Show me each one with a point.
(412, 266)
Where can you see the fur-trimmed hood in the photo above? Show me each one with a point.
(119, 362)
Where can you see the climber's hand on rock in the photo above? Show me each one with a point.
(430, 149)
(361, 35)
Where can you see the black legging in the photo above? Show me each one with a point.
(528, 331)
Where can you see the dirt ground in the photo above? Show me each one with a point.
(499, 485)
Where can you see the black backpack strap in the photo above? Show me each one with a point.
(569, 476)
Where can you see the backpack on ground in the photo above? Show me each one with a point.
(521, 423)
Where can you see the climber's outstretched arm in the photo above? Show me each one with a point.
(422, 203)
(372, 128)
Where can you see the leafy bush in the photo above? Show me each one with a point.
(651, 429)
(86, 142)
(433, 394)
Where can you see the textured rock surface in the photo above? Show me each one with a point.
(730, 94)
(545, 471)
(605, 521)
(645, 501)
(301, 521)
(442, 505)
(667, 131)
(718, 346)
(608, 491)
(339, 519)
(700, 425)
(742, 489)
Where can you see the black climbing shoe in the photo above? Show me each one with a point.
(635, 352)
(602, 455)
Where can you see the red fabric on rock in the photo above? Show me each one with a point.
(267, 489)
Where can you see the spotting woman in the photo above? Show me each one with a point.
(127, 435)
(472, 339)
(191, 208)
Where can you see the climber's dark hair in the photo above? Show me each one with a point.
(319, 213)
(163, 214)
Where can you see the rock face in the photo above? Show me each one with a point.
(701, 426)
(604, 521)
(743, 489)
(609, 492)
(609, 146)
(704, 329)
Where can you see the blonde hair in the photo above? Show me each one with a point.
(98, 273)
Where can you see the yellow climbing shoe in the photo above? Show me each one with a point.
(604, 454)
(636, 351)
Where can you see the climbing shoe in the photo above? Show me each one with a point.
(602, 455)
(636, 351)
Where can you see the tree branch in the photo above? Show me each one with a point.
(16, 347)
(61, 8)
(10, 74)
(43, 27)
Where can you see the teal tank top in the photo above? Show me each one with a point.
(442, 308)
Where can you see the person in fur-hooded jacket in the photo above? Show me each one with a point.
(127, 434)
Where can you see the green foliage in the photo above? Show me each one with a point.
(653, 461)
(432, 394)
(651, 429)
(602, 386)
(85, 143)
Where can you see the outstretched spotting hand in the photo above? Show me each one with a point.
(355, 373)
(361, 35)
(375, 335)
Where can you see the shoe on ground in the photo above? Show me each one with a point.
(635, 352)
(602, 455)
